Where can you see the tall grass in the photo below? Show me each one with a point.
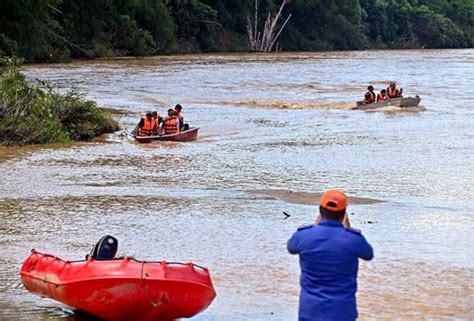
(32, 115)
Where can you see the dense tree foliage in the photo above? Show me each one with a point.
(53, 30)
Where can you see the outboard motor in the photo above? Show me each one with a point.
(105, 249)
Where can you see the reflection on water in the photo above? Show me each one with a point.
(192, 201)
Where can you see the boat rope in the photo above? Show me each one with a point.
(145, 289)
(121, 258)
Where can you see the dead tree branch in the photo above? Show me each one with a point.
(265, 40)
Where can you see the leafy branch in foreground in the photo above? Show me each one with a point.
(31, 115)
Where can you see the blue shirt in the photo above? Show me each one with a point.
(329, 256)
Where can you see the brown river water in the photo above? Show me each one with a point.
(267, 122)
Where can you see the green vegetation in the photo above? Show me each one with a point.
(57, 30)
(30, 115)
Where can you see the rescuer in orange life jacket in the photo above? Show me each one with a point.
(171, 124)
(367, 99)
(382, 96)
(393, 92)
(147, 125)
(371, 97)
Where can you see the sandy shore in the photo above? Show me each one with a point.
(306, 198)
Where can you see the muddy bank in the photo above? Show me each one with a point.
(307, 198)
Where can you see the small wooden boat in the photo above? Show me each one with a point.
(184, 136)
(395, 102)
(121, 289)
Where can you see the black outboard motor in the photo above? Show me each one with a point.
(105, 249)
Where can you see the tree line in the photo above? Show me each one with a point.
(57, 30)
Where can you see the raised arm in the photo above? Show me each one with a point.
(364, 249)
(293, 244)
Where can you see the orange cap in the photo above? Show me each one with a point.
(334, 200)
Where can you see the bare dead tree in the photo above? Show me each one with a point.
(265, 40)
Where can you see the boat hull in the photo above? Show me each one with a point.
(395, 102)
(184, 136)
(121, 289)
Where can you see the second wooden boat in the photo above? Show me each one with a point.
(402, 102)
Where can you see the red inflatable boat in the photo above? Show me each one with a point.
(121, 289)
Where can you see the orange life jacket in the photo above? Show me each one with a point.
(392, 93)
(170, 126)
(149, 127)
(381, 97)
(369, 100)
(372, 96)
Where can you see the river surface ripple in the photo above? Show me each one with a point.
(267, 122)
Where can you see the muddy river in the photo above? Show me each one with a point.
(268, 122)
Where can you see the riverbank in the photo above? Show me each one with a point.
(37, 114)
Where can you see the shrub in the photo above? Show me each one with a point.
(30, 115)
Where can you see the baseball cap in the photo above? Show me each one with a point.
(334, 200)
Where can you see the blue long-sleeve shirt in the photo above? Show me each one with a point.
(329, 256)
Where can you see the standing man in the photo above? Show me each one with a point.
(329, 252)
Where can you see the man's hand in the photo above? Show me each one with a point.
(318, 219)
(345, 221)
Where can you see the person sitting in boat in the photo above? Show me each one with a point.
(382, 96)
(147, 125)
(367, 99)
(158, 119)
(178, 108)
(171, 124)
(393, 92)
(370, 91)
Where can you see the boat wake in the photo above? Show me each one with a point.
(352, 87)
(395, 109)
(280, 104)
